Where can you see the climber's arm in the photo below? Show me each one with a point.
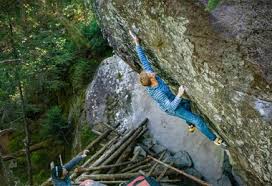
(146, 64)
(173, 105)
(165, 102)
(71, 164)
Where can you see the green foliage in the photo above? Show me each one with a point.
(55, 126)
(212, 4)
(82, 72)
(41, 176)
(60, 45)
(20, 170)
(39, 159)
(16, 142)
(99, 46)
(86, 135)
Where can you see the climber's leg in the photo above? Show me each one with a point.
(196, 120)
(185, 103)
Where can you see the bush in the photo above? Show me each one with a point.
(99, 46)
(55, 125)
(86, 135)
(82, 72)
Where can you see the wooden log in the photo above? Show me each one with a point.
(163, 173)
(95, 156)
(123, 146)
(135, 165)
(47, 182)
(94, 142)
(107, 166)
(142, 167)
(96, 132)
(113, 148)
(124, 156)
(97, 140)
(109, 153)
(181, 172)
(155, 165)
(110, 127)
(98, 153)
(126, 152)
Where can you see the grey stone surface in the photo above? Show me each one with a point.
(182, 159)
(148, 142)
(224, 181)
(169, 131)
(139, 151)
(167, 158)
(157, 148)
(223, 57)
(194, 172)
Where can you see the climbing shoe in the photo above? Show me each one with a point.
(191, 128)
(218, 141)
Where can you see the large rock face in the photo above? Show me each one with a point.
(224, 58)
(115, 97)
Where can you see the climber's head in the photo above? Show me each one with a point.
(59, 172)
(147, 78)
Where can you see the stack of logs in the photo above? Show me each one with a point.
(114, 162)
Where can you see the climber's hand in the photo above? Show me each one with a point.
(134, 37)
(79, 170)
(181, 90)
(84, 154)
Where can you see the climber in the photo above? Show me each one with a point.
(168, 102)
(60, 176)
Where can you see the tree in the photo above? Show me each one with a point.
(48, 53)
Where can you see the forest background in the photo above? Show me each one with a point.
(49, 51)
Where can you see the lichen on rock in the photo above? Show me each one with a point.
(223, 57)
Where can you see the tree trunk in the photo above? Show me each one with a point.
(27, 141)
(3, 173)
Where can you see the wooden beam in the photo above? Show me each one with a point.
(135, 165)
(156, 164)
(106, 166)
(116, 153)
(181, 172)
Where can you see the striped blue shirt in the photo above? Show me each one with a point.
(161, 93)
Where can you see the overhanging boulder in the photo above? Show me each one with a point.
(223, 57)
